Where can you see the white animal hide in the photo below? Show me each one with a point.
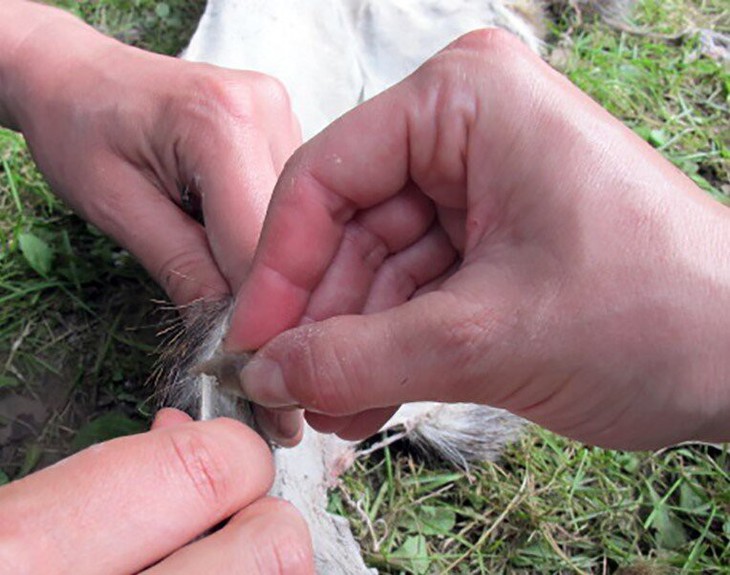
(330, 55)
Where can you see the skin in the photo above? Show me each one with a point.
(118, 133)
(134, 505)
(485, 232)
(132, 129)
(122, 141)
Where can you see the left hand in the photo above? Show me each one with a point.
(121, 133)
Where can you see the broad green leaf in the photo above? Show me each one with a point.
(7, 381)
(36, 252)
(3, 478)
(658, 138)
(670, 532)
(689, 499)
(413, 555)
(429, 520)
(33, 454)
(105, 427)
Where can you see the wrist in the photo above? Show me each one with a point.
(704, 359)
(39, 45)
(718, 379)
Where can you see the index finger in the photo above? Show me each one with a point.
(359, 161)
(122, 505)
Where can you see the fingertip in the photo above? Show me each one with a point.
(266, 305)
(267, 537)
(283, 427)
(327, 424)
(262, 381)
(366, 424)
(278, 537)
(242, 438)
(169, 417)
(221, 465)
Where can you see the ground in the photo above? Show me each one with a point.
(77, 342)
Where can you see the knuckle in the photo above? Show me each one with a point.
(243, 96)
(194, 458)
(218, 93)
(474, 53)
(487, 40)
(272, 90)
(466, 334)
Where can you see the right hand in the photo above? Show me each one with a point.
(140, 502)
(591, 291)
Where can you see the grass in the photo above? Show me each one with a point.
(548, 506)
(660, 84)
(74, 331)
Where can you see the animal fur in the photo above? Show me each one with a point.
(460, 434)
(330, 55)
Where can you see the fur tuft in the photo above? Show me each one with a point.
(613, 11)
(460, 433)
(192, 346)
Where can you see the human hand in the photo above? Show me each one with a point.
(120, 134)
(137, 502)
(495, 237)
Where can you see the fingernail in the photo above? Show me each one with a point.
(263, 382)
(288, 428)
(288, 424)
(282, 427)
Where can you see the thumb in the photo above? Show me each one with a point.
(434, 347)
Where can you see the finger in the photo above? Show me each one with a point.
(169, 417)
(267, 537)
(285, 428)
(161, 488)
(276, 118)
(326, 423)
(234, 158)
(404, 273)
(170, 245)
(239, 169)
(365, 424)
(434, 347)
(352, 427)
(367, 241)
(323, 187)
(236, 179)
